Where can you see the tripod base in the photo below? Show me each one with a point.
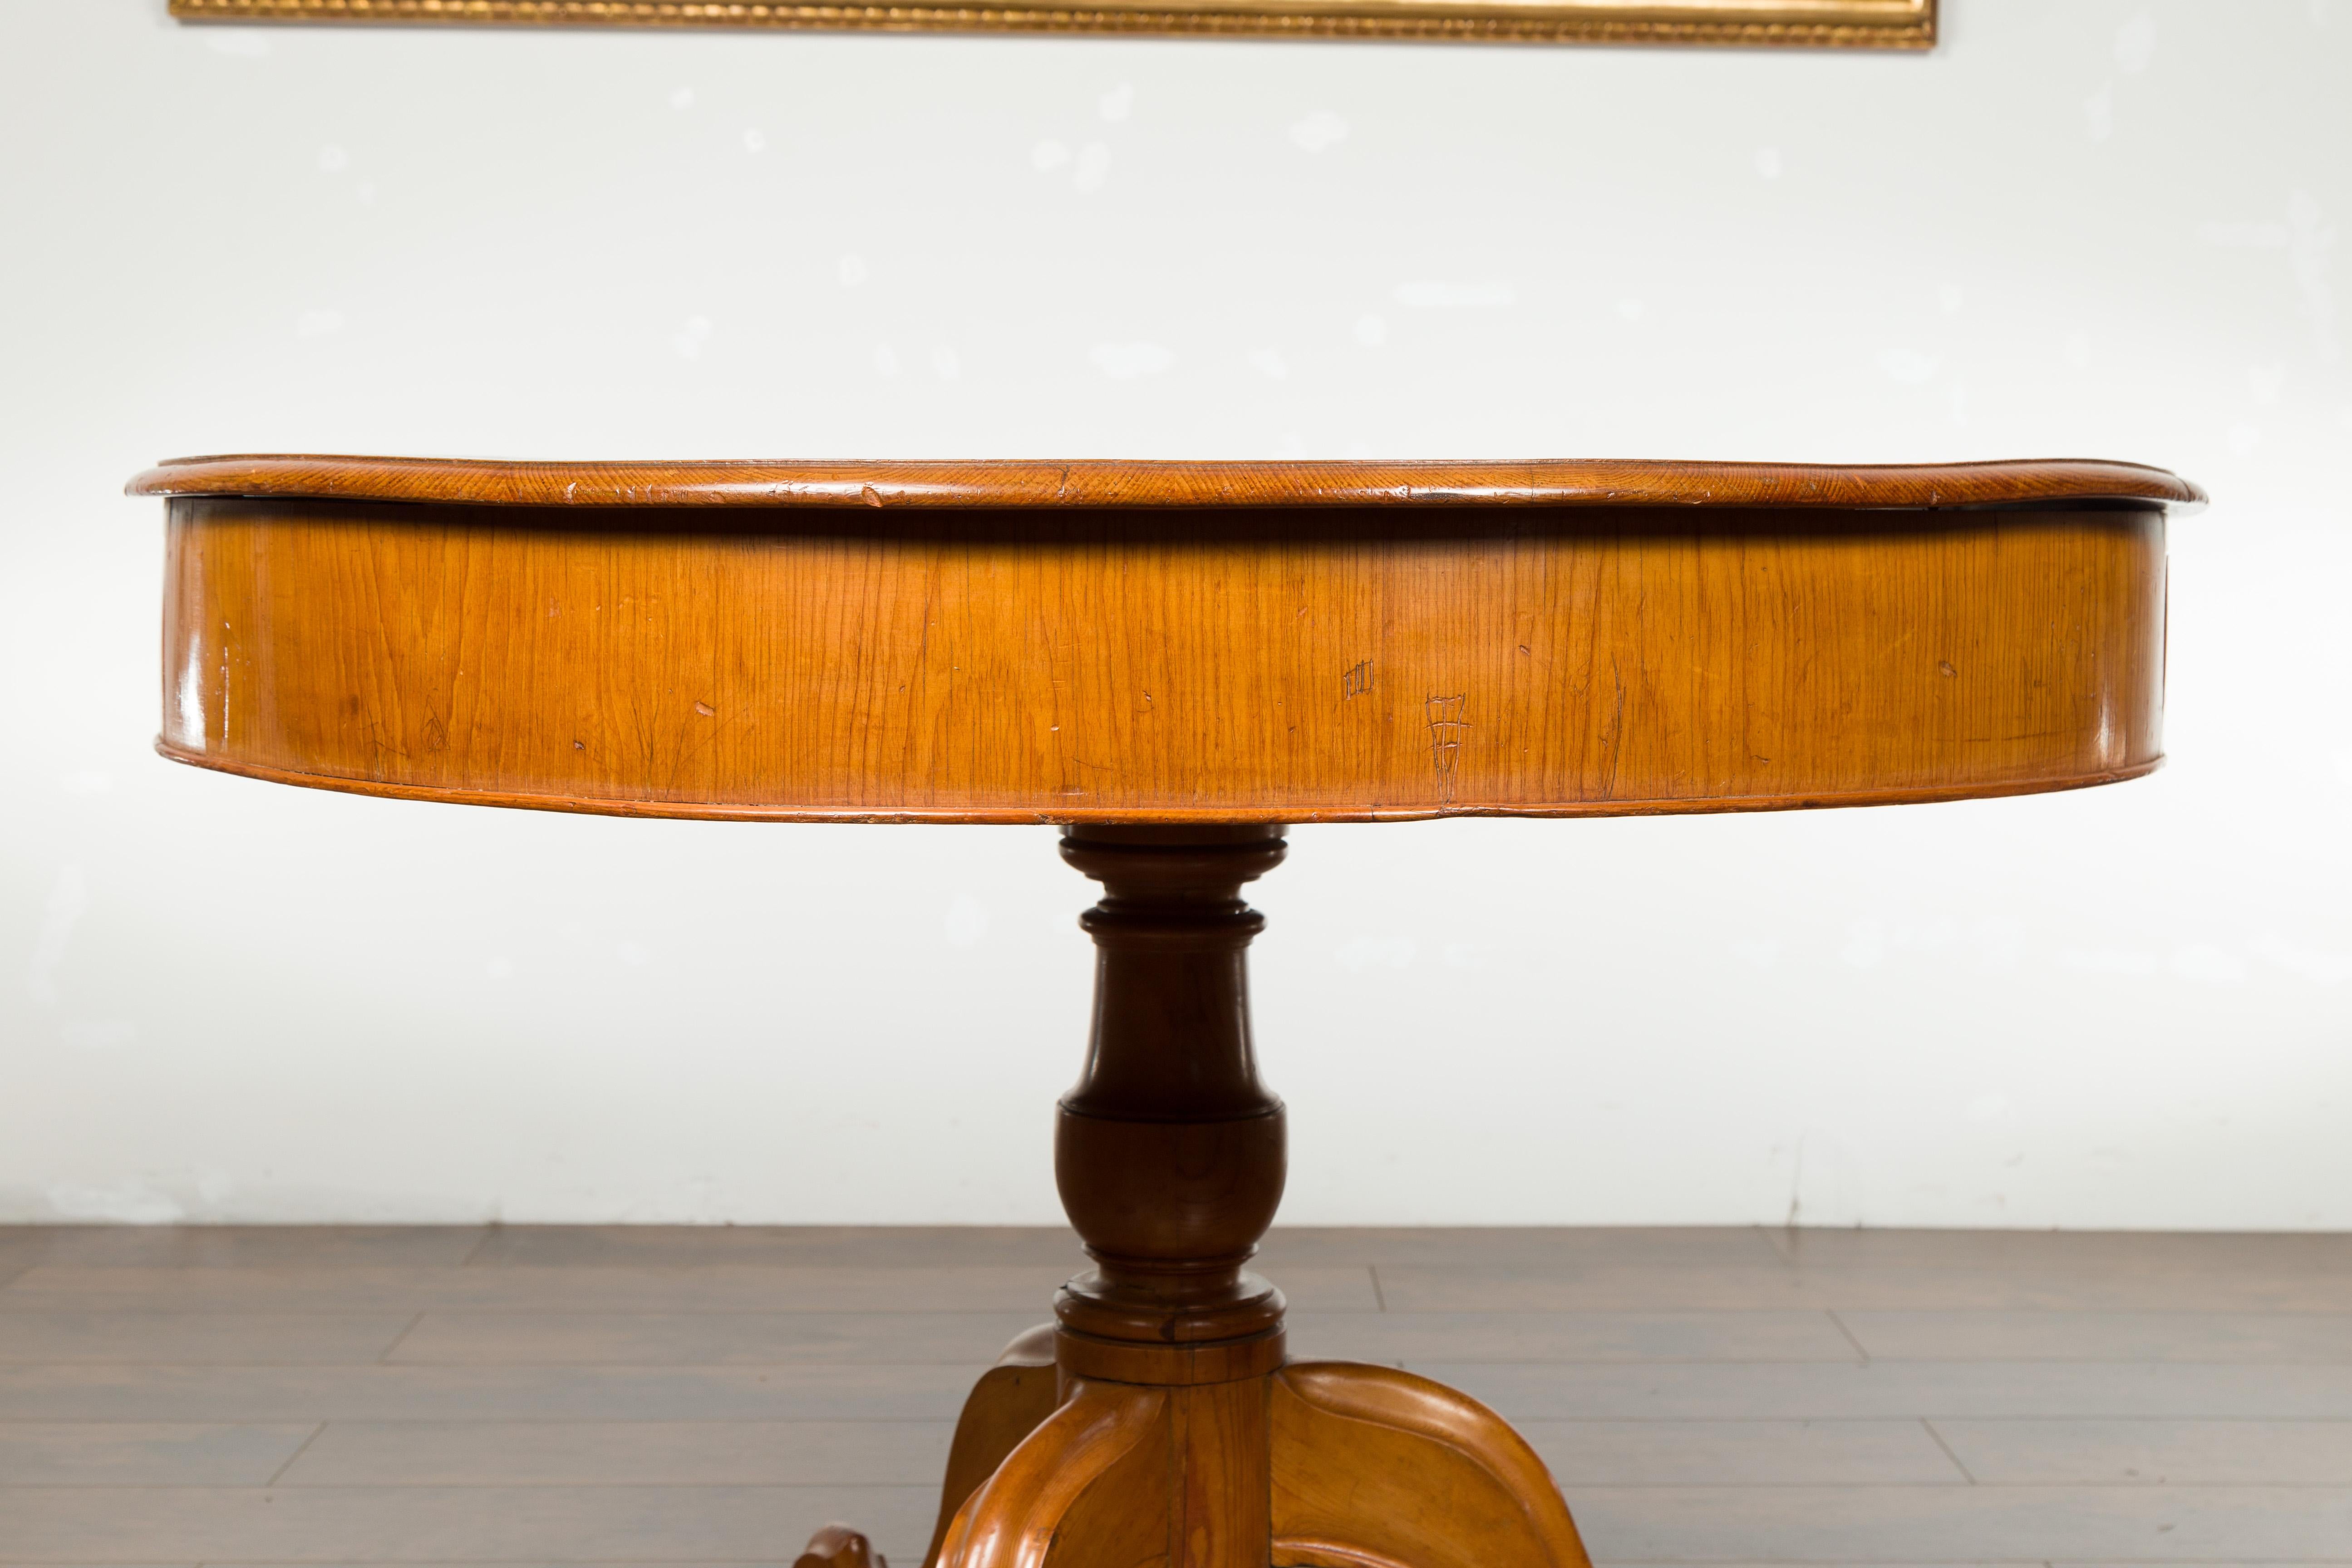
(1317, 1464)
(1157, 1424)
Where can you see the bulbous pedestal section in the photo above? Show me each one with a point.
(1169, 1153)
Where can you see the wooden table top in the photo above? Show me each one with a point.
(1164, 642)
(1118, 484)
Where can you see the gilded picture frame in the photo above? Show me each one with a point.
(1800, 24)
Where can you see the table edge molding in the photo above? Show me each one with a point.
(1099, 485)
(585, 806)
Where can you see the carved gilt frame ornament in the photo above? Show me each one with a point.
(1803, 24)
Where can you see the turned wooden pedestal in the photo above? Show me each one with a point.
(1172, 1427)
(1172, 661)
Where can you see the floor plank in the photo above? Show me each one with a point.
(1598, 1287)
(251, 1246)
(967, 1339)
(120, 1453)
(1742, 1453)
(2153, 1452)
(50, 1288)
(1399, 1337)
(2053, 1287)
(15, 1257)
(1895, 1390)
(2271, 1252)
(1519, 1246)
(2141, 1524)
(780, 1246)
(625, 1453)
(2103, 1336)
(269, 1394)
(249, 1339)
(435, 1524)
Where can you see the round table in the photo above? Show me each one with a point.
(1174, 660)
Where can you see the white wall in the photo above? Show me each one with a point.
(2106, 227)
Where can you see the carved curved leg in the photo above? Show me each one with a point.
(1088, 1488)
(1011, 1400)
(838, 1546)
(1378, 1468)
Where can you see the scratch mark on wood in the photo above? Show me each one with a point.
(1616, 732)
(1448, 731)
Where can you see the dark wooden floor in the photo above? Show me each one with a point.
(643, 1396)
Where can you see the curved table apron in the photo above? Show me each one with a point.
(1174, 660)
